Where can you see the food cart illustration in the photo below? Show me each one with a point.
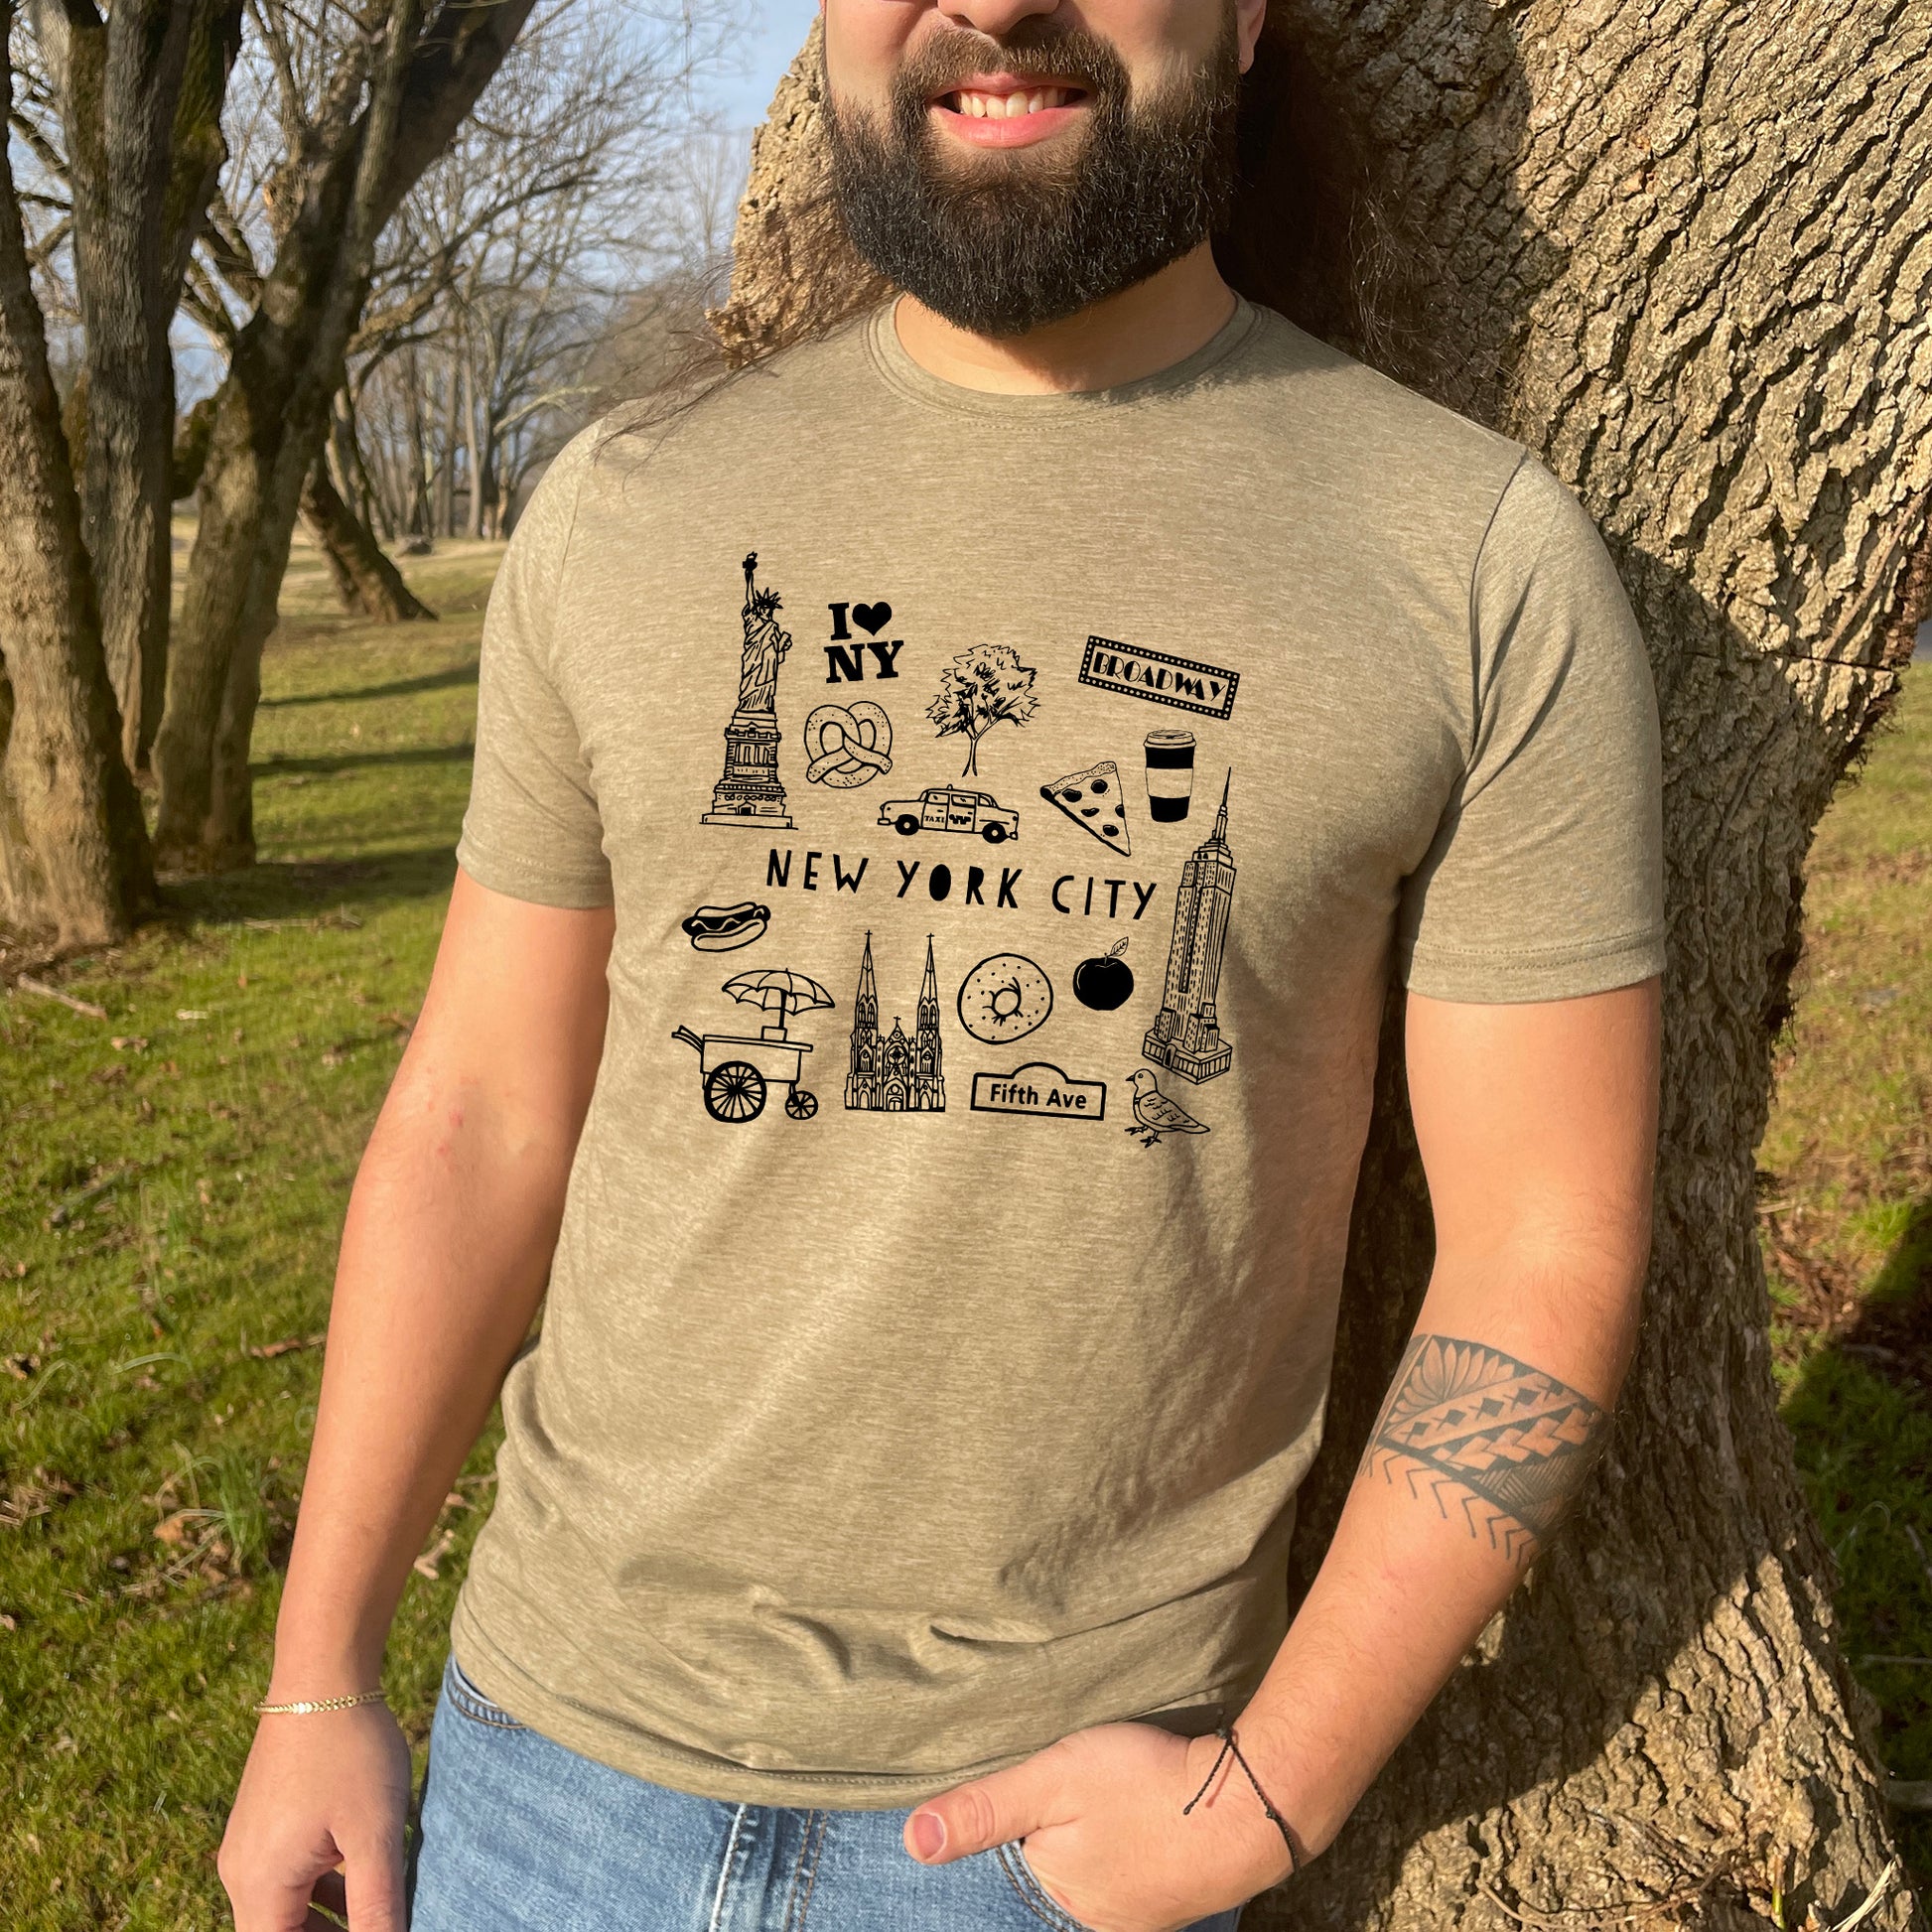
(738, 1069)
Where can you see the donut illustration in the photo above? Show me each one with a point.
(1004, 998)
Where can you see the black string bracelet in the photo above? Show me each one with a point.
(1226, 1734)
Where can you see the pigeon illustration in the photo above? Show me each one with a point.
(1155, 1114)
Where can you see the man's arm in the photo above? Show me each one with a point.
(445, 1253)
(1537, 1125)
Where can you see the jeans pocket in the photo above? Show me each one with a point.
(1034, 1896)
(469, 1702)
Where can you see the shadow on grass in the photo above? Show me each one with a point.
(401, 688)
(306, 890)
(1861, 1422)
(359, 761)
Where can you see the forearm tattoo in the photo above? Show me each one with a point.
(1510, 1443)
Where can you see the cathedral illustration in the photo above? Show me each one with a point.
(1186, 1033)
(895, 1074)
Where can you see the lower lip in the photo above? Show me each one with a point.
(1010, 130)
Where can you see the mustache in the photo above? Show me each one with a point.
(1038, 48)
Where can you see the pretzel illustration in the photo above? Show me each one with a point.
(848, 748)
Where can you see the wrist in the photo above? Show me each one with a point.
(1240, 1841)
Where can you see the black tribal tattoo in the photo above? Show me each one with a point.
(1515, 1441)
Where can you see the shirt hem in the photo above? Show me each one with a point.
(581, 894)
(1554, 973)
(623, 1747)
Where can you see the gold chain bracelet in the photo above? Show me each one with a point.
(309, 1705)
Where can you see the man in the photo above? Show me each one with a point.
(947, 805)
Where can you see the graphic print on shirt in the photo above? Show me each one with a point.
(848, 744)
(1186, 1034)
(736, 1072)
(1004, 998)
(1041, 1090)
(982, 687)
(1155, 1114)
(1170, 775)
(951, 808)
(1161, 679)
(724, 929)
(846, 659)
(891, 1074)
(1092, 799)
(750, 793)
(1105, 981)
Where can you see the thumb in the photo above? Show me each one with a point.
(987, 1811)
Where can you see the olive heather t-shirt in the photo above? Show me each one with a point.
(1014, 810)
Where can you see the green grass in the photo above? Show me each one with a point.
(173, 1177)
(1846, 1187)
(224, 1102)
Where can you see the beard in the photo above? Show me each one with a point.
(1000, 241)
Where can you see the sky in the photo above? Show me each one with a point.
(778, 29)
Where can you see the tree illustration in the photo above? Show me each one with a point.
(982, 687)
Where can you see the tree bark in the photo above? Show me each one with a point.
(141, 97)
(73, 847)
(1678, 248)
(369, 584)
(272, 412)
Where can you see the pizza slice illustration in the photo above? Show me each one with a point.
(1093, 800)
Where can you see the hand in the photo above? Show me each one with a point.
(320, 1820)
(1100, 1814)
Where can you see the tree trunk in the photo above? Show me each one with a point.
(141, 100)
(73, 848)
(272, 413)
(370, 585)
(1679, 250)
(476, 443)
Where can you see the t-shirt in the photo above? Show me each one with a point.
(1014, 810)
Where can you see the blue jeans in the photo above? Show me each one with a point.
(520, 1835)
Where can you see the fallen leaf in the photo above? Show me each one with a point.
(174, 1529)
(268, 1350)
(426, 1564)
(21, 1367)
(190, 1013)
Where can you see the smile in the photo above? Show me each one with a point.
(1007, 110)
(985, 105)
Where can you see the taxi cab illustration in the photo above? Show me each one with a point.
(949, 808)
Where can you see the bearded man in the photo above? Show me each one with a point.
(891, 1517)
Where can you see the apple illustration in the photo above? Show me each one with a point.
(1104, 981)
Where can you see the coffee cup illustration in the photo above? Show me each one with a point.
(1169, 774)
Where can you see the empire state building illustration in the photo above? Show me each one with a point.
(1186, 1034)
(895, 1074)
(750, 792)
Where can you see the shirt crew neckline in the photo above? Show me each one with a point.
(912, 380)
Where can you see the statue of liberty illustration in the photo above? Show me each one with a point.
(750, 793)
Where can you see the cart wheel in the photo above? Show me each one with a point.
(734, 1090)
(800, 1105)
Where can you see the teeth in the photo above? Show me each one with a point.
(1000, 107)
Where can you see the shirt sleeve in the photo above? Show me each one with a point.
(1545, 877)
(531, 829)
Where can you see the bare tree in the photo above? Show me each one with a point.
(511, 265)
(366, 97)
(1680, 251)
(74, 850)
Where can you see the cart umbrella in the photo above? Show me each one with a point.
(779, 989)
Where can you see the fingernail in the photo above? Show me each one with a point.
(928, 1834)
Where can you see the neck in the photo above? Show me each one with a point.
(1138, 332)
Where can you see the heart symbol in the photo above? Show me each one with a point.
(871, 618)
